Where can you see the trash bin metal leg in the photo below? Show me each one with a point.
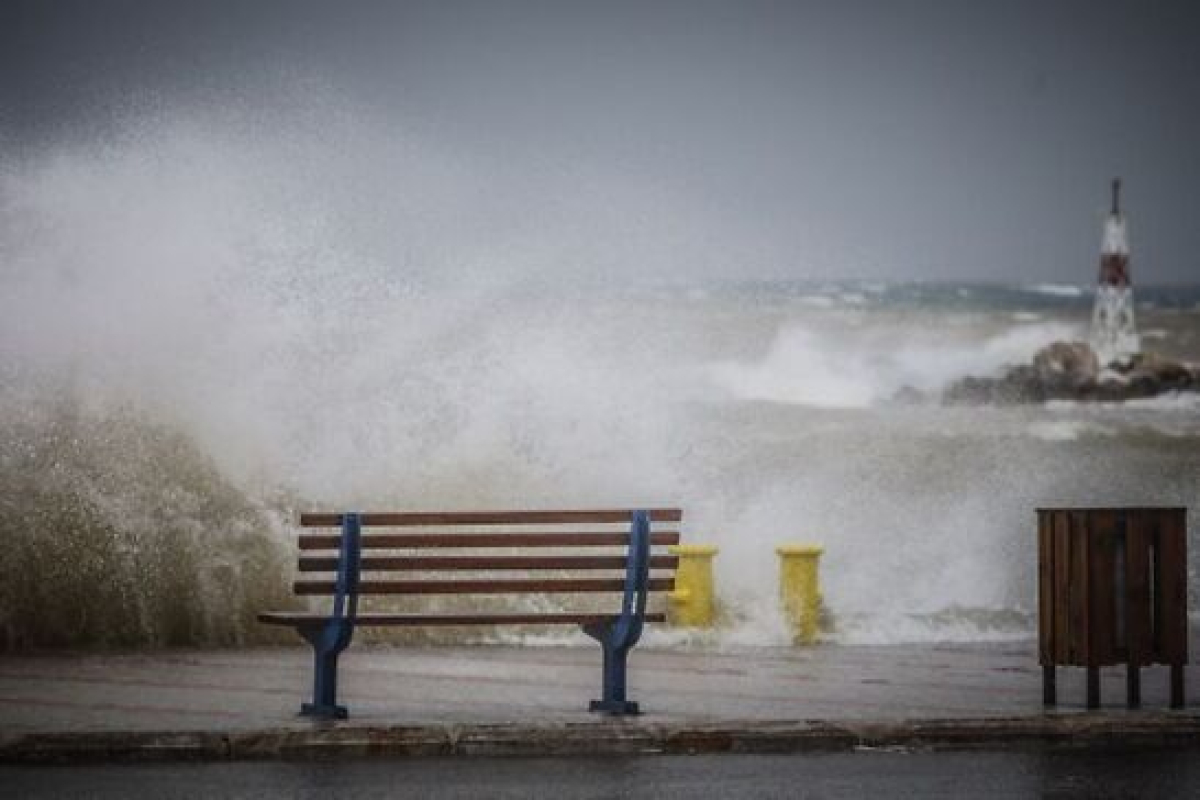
(1049, 692)
(1133, 685)
(1093, 687)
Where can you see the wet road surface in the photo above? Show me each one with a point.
(1172, 773)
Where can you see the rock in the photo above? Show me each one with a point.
(1111, 391)
(1067, 364)
(1071, 371)
(1161, 372)
(1020, 384)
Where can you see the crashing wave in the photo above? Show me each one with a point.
(119, 532)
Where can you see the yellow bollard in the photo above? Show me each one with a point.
(692, 604)
(800, 589)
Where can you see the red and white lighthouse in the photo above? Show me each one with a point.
(1114, 334)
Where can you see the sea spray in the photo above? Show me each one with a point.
(859, 366)
(208, 313)
(119, 532)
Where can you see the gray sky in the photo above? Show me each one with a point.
(889, 139)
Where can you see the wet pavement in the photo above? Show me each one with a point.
(421, 699)
(1066, 775)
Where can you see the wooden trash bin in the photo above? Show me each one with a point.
(1112, 589)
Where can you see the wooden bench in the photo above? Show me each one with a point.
(554, 557)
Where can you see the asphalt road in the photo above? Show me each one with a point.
(1057, 774)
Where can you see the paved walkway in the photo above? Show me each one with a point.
(541, 691)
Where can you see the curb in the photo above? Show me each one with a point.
(341, 741)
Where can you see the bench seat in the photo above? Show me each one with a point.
(301, 620)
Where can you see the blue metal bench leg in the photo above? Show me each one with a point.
(329, 639)
(614, 701)
(619, 635)
(325, 642)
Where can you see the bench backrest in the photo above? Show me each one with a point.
(506, 552)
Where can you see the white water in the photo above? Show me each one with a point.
(329, 310)
(1057, 290)
(863, 368)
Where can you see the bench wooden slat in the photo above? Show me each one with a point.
(399, 541)
(482, 563)
(409, 518)
(313, 620)
(515, 586)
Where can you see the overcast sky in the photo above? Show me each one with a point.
(887, 139)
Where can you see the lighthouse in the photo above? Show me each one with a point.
(1114, 334)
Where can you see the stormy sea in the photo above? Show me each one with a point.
(151, 465)
(196, 343)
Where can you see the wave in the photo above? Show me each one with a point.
(1175, 401)
(1056, 290)
(122, 533)
(810, 367)
(1062, 430)
(1186, 402)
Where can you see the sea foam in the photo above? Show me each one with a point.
(837, 369)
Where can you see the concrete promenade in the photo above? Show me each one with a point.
(531, 700)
